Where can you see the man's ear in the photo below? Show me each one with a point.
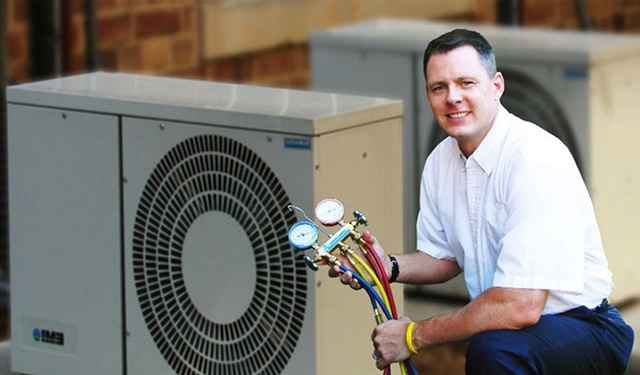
(498, 84)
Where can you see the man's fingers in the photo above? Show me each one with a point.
(367, 236)
(346, 278)
(334, 271)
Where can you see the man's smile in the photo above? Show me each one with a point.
(458, 114)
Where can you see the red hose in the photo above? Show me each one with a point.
(384, 278)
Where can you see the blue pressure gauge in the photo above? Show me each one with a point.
(303, 235)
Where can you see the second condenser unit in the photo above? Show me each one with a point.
(581, 87)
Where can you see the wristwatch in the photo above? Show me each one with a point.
(395, 270)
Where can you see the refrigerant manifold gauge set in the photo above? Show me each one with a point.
(364, 263)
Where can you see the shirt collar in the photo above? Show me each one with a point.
(486, 155)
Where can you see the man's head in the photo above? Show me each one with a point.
(462, 86)
(457, 38)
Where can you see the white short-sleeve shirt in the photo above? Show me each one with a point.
(515, 214)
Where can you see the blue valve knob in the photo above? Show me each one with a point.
(310, 263)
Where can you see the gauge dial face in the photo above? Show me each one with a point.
(329, 211)
(303, 235)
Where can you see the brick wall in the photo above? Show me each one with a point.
(156, 37)
(161, 37)
(287, 65)
(604, 15)
(164, 37)
(284, 66)
(143, 36)
(149, 36)
(17, 28)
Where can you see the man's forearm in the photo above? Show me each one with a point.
(497, 308)
(421, 268)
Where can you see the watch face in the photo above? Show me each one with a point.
(329, 211)
(303, 235)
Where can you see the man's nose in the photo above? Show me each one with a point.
(454, 95)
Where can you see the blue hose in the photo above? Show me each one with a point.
(372, 293)
(376, 298)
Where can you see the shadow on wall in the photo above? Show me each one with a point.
(5, 344)
(4, 311)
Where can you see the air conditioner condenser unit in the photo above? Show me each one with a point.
(149, 220)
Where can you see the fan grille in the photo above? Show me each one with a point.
(215, 173)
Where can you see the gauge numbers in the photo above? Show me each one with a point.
(303, 235)
(329, 211)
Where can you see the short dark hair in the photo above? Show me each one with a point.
(457, 38)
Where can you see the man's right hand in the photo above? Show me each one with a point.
(347, 278)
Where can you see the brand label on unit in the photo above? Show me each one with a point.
(49, 335)
(573, 72)
(299, 143)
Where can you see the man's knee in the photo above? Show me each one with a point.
(498, 352)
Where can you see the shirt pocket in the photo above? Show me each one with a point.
(494, 228)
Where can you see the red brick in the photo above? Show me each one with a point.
(275, 62)
(568, 9)
(130, 58)
(157, 22)
(74, 6)
(114, 29)
(300, 81)
(222, 71)
(184, 51)
(18, 73)
(156, 54)
(108, 59)
(16, 47)
(536, 13)
(20, 11)
(600, 7)
(244, 67)
(190, 18)
(77, 64)
(74, 36)
(106, 5)
(634, 21)
(194, 72)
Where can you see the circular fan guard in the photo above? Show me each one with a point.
(214, 173)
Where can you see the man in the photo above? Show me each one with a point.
(504, 201)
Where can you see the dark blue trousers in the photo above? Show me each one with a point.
(579, 341)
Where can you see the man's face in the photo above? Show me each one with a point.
(463, 98)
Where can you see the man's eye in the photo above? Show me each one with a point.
(437, 88)
(467, 83)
